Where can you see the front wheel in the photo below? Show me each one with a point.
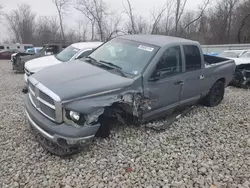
(215, 95)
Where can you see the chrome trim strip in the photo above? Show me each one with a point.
(59, 112)
(46, 103)
(31, 91)
(32, 80)
(38, 128)
(31, 100)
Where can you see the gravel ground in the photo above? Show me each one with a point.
(210, 147)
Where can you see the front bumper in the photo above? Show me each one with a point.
(61, 134)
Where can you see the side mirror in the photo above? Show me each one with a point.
(157, 76)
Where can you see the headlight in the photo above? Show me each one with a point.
(77, 119)
(74, 118)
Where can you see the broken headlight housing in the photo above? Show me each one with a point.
(74, 118)
(77, 119)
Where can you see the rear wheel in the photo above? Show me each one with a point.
(215, 95)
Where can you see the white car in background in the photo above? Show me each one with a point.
(241, 58)
(232, 54)
(74, 51)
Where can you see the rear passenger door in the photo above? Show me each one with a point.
(193, 75)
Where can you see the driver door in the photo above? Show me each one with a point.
(165, 85)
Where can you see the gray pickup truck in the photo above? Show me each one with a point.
(131, 78)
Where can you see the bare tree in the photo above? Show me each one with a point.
(1, 13)
(130, 14)
(168, 17)
(231, 4)
(179, 10)
(62, 7)
(243, 18)
(100, 14)
(87, 8)
(21, 23)
(201, 13)
(112, 27)
(96, 11)
(81, 30)
(47, 30)
(157, 17)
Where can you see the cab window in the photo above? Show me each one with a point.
(192, 57)
(170, 63)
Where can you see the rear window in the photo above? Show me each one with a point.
(2, 47)
(193, 57)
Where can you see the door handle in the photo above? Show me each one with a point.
(178, 82)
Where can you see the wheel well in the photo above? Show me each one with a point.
(222, 80)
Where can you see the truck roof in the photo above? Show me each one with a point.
(83, 45)
(157, 40)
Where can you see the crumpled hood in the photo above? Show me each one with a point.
(37, 64)
(78, 79)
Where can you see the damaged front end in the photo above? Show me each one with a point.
(18, 62)
(124, 107)
(241, 77)
(20, 59)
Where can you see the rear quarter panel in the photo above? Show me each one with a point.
(212, 73)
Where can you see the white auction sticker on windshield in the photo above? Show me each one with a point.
(146, 48)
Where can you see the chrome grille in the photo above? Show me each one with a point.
(44, 103)
(49, 111)
(46, 98)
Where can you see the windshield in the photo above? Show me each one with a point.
(130, 56)
(246, 55)
(67, 53)
(232, 54)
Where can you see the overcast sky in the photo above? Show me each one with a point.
(47, 8)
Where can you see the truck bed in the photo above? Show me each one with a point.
(209, 59)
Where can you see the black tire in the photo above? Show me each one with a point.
(216, 95)
(104, 129)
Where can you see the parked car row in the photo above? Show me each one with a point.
(6, 54)
(242, 72)
(19, 59)
(74, 51)
(130, 78)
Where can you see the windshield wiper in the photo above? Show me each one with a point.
(93, 60)
(111, 64)
(116, 67)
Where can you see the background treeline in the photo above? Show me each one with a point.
(220, 22)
